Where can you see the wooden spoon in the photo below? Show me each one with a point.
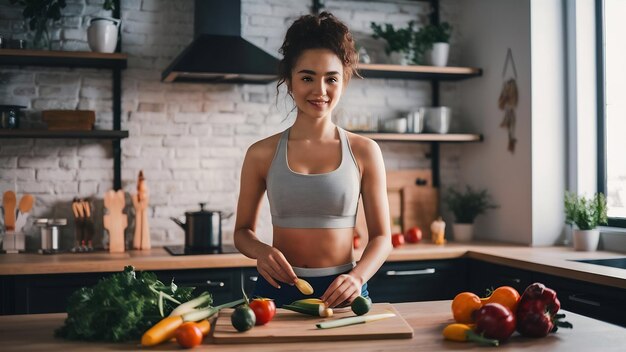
(8, 201)
(26, 203)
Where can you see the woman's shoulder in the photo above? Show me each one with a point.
(362, 146)
(264, 148)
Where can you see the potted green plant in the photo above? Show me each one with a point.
(38, 14)
(466, 206)
(431, 44)
(399, 45)
(103, 31)
(586, 214)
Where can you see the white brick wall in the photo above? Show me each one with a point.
(190, 139)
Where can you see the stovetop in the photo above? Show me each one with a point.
(182, 250)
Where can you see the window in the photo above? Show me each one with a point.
(612, 107)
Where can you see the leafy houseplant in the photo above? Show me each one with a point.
(467, 205)
(38, 13)
(411, 42)
(586, 214)
(398, 40)
(427, 36)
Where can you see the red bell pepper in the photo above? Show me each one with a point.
(537, 312)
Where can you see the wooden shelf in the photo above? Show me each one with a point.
(50, 58)
(94, 134)
(418, 72)
(423, 137)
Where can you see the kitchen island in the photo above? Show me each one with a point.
(35, 333)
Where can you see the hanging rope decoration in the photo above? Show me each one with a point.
(508, 100)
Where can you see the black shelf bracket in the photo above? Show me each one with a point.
(117, 109)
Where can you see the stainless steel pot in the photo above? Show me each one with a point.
(203, 229)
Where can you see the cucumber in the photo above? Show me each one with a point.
(361, 305)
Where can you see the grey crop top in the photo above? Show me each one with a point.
(327, 200)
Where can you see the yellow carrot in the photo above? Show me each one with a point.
(205, 326)
(463, 333)
(161, 331)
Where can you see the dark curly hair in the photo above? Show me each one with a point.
(314, 32)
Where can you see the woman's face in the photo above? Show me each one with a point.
(317, 82)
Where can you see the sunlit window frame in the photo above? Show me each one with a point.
(601, 111)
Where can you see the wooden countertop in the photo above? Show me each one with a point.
(549, 260)
(35, 333)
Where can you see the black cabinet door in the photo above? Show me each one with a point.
(418, 281)
(223, 284)
(48, 293)
(596, 301)
(485, 276)
(249, 278)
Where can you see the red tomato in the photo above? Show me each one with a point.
(189, 335)
(413, 235)
(356, 241)
(397, 239)
(264, 310)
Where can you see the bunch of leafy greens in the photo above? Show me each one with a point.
(121, 307)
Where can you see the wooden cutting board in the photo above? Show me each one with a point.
(419, 208)
(288, 326)
(409, 204)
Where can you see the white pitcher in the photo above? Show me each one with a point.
(102, 34)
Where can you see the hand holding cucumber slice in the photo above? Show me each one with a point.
(304, 287)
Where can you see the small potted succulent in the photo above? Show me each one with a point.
(586, 214)
(466, 206)
(431, 44)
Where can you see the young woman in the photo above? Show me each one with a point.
(314, 173)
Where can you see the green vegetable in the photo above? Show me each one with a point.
(353, 320)
(120, 307)
(361, 305)
(243, 318)
(310, 306)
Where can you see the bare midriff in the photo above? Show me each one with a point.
(315, 248)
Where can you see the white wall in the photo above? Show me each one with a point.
(548, 120)
(488, 28)
(529, 183)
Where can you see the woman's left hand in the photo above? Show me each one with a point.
(344, 289)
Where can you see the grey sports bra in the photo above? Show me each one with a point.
(327, 200)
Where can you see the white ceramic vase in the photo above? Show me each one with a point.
(102, 34)
(400, 58)
(463, 232)
(586, 240)
(438, 55)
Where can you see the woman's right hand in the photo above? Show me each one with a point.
(273, 266)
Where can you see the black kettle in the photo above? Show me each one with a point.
(203, 229)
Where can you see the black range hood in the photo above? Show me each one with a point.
(218, 53)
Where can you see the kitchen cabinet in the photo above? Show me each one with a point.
(34, 294)
(223, 284)
(45, 293)
(115, 62)
(484, 276)
(418, 280)
(597, 301)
